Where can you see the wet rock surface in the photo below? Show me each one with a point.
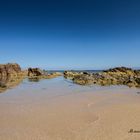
(35, 74)
(10, 75)
(115, 76)
(72, 74)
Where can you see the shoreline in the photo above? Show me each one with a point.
(11, 75)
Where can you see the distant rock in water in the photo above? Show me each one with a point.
(10, 75)
(115, 76)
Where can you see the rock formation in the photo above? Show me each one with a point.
(35, 74)
(115, 76)
(10, 75)
(71, 74)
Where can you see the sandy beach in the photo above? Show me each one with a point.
(60, 110)
(70, 70)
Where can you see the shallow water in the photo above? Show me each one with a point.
(57, 109)
(48, 89)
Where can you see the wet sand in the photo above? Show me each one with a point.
(59, 110)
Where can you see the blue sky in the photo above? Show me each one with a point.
(76, 34)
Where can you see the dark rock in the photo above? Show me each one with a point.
(86, 73)
(138, 80)
(119, 69)
(35, 72)
(2, 84)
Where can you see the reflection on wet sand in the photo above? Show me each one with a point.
(58, 110)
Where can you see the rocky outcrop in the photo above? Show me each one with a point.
(72, 74)
(119, 69)
(35, 74)
(10, 75)
(8, 70)
(116, 76)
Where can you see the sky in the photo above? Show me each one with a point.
(70, 34)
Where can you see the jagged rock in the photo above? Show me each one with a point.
(137, 73)
(9, 70)
(10, 75)
(119, 69)
(115, 76)
(84, 79)
(71, 74)
(35, 72)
